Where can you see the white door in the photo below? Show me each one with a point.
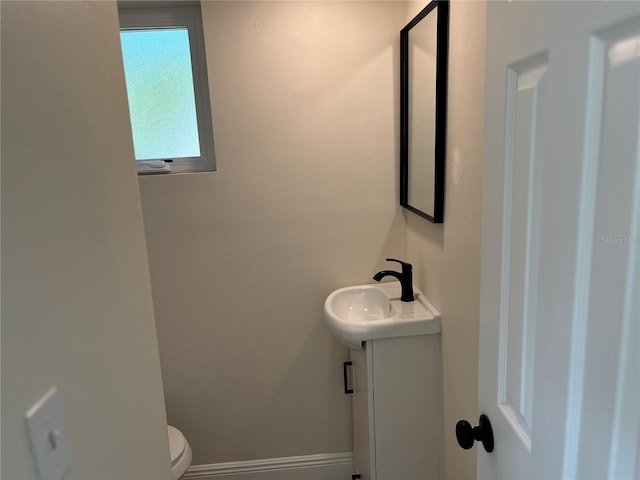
(560, 295)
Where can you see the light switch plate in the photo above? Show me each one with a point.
(48, 441)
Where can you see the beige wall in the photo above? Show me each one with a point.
(76, 299)
(305, 200)
(447, 257)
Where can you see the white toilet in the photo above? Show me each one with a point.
(181, 453)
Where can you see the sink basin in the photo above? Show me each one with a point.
(370, 312)
(361, 304)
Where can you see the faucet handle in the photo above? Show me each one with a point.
(405, 265)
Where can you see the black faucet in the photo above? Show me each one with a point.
(405, 278)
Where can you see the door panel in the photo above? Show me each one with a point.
(613, 100)
(521, 214)
(561, 212)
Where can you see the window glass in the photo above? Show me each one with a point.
(157, 65)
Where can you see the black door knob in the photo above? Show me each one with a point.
(466, 434)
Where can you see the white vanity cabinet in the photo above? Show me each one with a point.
(397, 408)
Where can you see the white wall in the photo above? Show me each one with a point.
(76, 299)
(305, 200)
(446, 257)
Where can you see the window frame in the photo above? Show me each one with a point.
(145, 15)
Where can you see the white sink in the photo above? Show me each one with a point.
(370, 312)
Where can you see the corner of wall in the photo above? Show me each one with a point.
(447, 256)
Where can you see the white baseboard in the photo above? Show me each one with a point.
(323, 466)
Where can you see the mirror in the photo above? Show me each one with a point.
(423, 111)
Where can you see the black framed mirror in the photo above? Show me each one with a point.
(423, 111)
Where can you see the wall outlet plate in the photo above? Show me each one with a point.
(48, 441)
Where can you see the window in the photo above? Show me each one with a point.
(166, 75)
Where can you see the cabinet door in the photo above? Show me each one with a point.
(362, 405)
(406, 377)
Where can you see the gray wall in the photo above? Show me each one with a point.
(446, 257)
(305, 200)
(76, 298)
